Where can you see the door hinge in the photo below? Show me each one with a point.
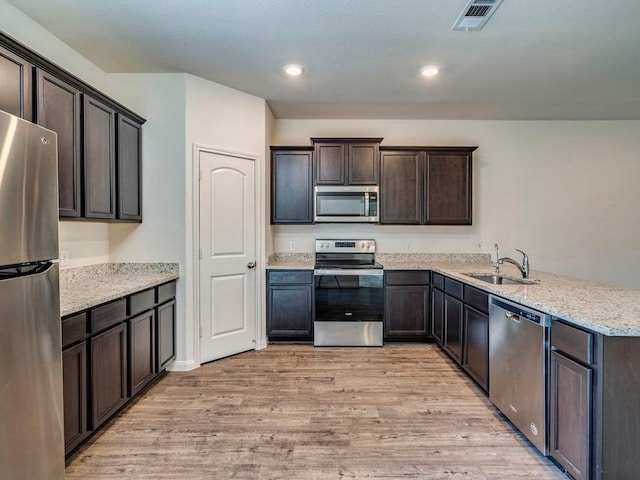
(200, 253)
(200, 332)
(200, 174)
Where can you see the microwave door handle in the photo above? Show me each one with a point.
(366, 204)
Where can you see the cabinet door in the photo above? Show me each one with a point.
(363, 164)
(16, 85)
(330, 163)
(99, 160)
(108, 355)
(58, 108)
(129, 169)
(74, 378)
(406, 315)
(291, 187)
(401, 187)
(290, 312)
(437, 316)
(142, 351)
(447, 189)
(166, 346)
(453, 327)
(570, 416)
(475, 359)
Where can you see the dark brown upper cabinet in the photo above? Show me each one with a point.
(58, 108)
(129, 140)
(99, 140)
(346, 161)
(426, 186)
(99, 159)
(401, 187)
(291, 185)
(447, 188)
(16, 85)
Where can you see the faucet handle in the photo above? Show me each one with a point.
(525, 263)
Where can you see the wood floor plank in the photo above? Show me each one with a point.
(292, 411)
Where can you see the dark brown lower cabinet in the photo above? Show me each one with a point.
(166, 336)
(406, 305)
(453, 326)
(109, 373)
(475, 357)
(290, 312)
(571, 387)
(406, 315)
(112, 352)
(437, 315)
(74, 373)
(142, 351)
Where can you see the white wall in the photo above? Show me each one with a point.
(160, 98)
(564, 192)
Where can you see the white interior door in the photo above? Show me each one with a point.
(227, 256)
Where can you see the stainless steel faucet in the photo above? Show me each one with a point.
(524, 268)
(496, 265)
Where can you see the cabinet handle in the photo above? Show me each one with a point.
(251, 265)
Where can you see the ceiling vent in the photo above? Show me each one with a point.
(475, 14)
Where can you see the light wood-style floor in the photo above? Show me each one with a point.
(299, 412)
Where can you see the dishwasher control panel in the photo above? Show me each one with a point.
(532, 315)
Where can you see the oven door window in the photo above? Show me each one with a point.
(349, 297)
(340, 204)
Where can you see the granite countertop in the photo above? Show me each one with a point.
(86, 287)
(607, 309)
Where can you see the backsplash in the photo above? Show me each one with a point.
(383, 258)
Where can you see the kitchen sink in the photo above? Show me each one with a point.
(500, 279)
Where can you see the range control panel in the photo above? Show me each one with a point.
(346, 246)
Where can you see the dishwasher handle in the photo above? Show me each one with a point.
(512, 316)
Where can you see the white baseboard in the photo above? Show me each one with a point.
(262, 343)
(183, 366)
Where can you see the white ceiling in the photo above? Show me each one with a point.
(534, 59)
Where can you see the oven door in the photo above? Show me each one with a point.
(349, 295)
(349, 306)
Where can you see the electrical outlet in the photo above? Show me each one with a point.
(292, 246)
(409, 245)
(64, 258)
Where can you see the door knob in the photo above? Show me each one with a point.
(251, 265)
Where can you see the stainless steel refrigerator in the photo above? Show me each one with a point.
(31, 405)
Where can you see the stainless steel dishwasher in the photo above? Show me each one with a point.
(518, 362)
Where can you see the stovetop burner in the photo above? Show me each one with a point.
(346, 254)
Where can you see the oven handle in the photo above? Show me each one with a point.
(344, 271)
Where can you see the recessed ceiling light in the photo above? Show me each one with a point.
(293, 70)
(430, 71)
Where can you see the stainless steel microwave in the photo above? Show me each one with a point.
(355, 204)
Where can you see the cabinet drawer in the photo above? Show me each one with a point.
(437, 280)
(74, 329)
(453, 287)
(107, 315)
(289, 276)
(166, 292)
(476, 298)
(572, 341)
(407, 277)
(139, 302)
